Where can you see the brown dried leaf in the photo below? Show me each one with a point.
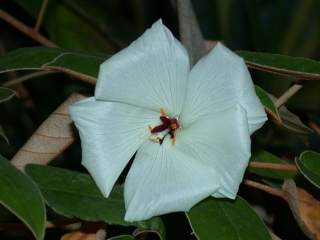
(305, 208)
(53, 136)
(78, 235)
(89, 231)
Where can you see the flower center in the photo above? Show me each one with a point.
(168, 126)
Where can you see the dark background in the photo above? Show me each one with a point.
(289, 27)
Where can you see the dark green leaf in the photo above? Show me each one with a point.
(309, 165)
(266, 157)
(74, 194)
(76, 33)
(226, 220)
(6, 94)
(122, 237)
(22, 197)
(289, 120)
(293, 122)
(267, 103)
(43, 58)
(296, 67)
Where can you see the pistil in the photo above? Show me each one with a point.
(168, 125)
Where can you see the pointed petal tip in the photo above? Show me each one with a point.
(155, 65)
(105, 189)
(220, 48)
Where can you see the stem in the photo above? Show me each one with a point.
(25, 29)
(26, 77)
(80, 76)
(40, 15)
(273, 191)
(287, 95)
(276, 166)
(315, 127)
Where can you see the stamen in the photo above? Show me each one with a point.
(163, 112)
(155, 139)
(167, 127)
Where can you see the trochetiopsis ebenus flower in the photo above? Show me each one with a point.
(189, 128)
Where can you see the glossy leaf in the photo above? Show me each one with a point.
(309, 165)
(43, 58)
(226, 220)
(6, 94)
(267, 102)
(74, 194)
(297, 67)
(266, 157)
(22, 197)
(76, 33)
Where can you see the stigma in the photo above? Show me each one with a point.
(168, 126)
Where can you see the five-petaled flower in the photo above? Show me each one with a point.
(190, 128)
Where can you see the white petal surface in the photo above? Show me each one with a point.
(165, 179)
(220, 141)
(110, 135)
(218, 81)
(152, 72)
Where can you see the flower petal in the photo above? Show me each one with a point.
(221, 141)
(165, 179)
(218, 81)
(110, 135)
(151, 73)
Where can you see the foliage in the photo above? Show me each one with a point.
(36, 79)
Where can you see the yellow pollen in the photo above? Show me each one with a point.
(163, 112)
(173, 126)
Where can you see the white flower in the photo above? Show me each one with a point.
(200, 148)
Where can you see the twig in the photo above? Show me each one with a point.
(25, 29)
(26, 77)
(274, 191)
(40, 15)
(189, 29)
(288, 94)
(80, 76)
(275, 166)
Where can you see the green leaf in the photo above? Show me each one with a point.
(122, 237)
(74, 194)
(289, 120)
(44, 58)
(6, 94)
(297, 67)
(226, 220)
(267, 103)
(309, 165)
(266, 157)
(292, 122)
(22, 197)
(76, 33)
